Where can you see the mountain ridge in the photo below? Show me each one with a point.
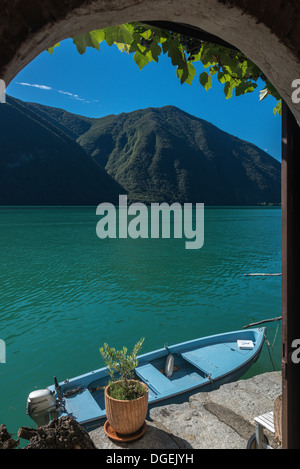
(166, 154)
(41, 165)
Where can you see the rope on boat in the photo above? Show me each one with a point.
(275, 335)
(73, 391)
(267, 341)
(278, 318)
(268, 344)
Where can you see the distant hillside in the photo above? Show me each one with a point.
(165, 154)
(41, 165)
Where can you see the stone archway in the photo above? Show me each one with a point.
(267, 31)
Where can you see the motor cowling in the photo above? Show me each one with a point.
(41, 406)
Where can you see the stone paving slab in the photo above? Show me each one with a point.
(221, 419)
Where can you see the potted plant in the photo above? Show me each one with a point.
(126, 399)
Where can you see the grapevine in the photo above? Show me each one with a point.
(231, 67)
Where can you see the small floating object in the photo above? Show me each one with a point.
(262, 274)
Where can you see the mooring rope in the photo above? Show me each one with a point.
(268, 346)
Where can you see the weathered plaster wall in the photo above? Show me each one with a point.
(268, 31)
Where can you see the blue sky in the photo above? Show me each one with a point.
(96, 84)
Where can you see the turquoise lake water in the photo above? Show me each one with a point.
(64, 292)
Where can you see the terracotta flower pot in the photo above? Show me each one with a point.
(126, 417)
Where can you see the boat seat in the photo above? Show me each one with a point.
(201, 361)
(155, 379)
(82, 406)
(214, 359)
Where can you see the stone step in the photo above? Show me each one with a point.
(221, 419)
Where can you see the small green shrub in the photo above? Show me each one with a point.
(134, 390)
(120, 366)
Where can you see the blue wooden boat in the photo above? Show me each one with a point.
(199, 365)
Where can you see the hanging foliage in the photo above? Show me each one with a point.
(232, 68)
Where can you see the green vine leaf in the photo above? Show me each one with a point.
(85, 40)
(228, 89)
(51, 49)
(203, 78)
(140, 59)
(278, 108)
(245, 87)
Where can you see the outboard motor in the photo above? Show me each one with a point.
(41, 406)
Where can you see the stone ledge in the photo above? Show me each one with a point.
(221, 419)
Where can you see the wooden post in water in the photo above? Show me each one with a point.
(290, 279)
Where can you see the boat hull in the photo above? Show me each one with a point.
(199, 365)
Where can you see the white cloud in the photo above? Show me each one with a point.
(74, 96)
(41, 87)
(66, 93)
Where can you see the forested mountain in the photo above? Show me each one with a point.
(155, 154)
(41, 165)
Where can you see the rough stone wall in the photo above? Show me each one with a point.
(282, 17)
(267, 31)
